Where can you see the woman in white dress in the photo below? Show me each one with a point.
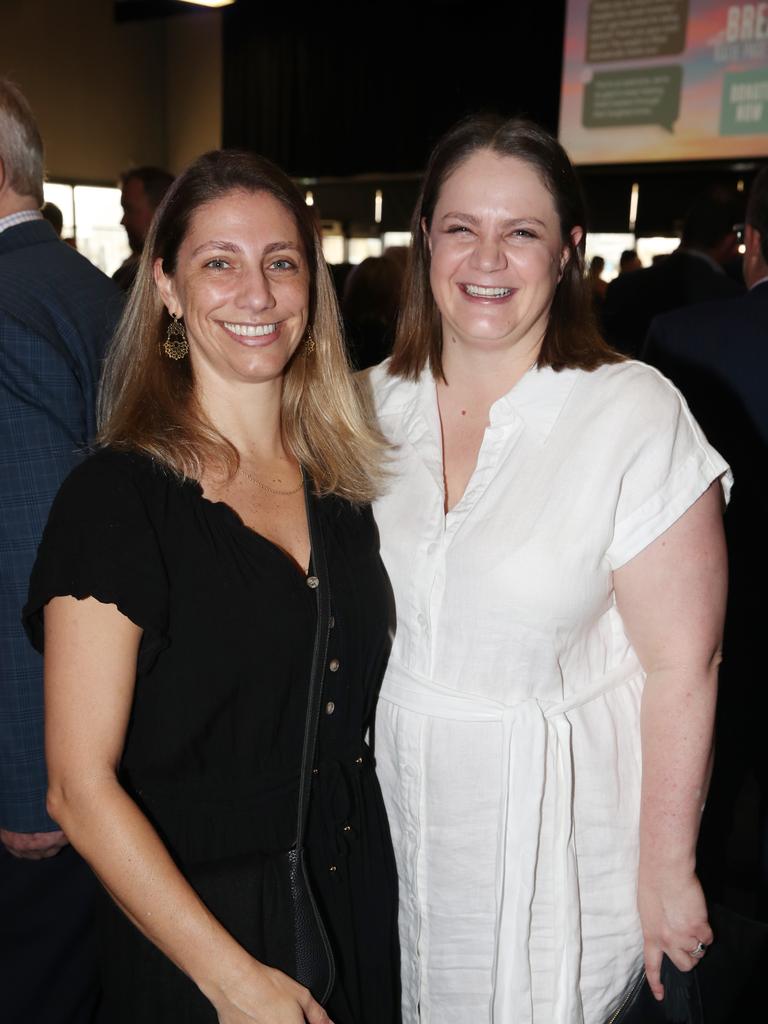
(553, 535)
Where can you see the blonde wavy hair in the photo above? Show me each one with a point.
(147, 402)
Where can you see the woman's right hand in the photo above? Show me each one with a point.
(267, 996)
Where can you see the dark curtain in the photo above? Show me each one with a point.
(322, 95)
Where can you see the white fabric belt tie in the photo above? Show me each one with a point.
(529, 726)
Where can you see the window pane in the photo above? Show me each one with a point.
(647, 248)
(396, 239)
(610, 245)
(333, 248)
(62, 196)
(359, 249)
(100, 236)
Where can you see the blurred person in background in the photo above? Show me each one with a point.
(142, 191)
(629, 261)
(692, 273)
(717, 354)
(598, 285)
(54, 216)
(400, 254)
(57, 313)
(370, 305)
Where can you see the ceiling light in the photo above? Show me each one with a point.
(634, 198)
(209, 3)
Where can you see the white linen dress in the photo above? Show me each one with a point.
(508, 733)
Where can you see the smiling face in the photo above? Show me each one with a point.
(242, 286)
(496, 254)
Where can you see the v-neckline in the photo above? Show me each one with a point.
(430, 411)
(237, 519)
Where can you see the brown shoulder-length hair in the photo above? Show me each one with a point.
(148, 403)
(571, 337)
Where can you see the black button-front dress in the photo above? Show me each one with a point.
(213, 747)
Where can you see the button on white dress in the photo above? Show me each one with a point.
(508, 735)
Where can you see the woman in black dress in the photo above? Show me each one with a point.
(179, 618)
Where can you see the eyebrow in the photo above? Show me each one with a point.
(277, 246)
(215, 244)
(231, 247)
(508, 223)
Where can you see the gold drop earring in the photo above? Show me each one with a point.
(175, 345)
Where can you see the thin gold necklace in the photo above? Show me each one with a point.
(264, 487)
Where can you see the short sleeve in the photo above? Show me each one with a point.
(100, 541)
(669, 465)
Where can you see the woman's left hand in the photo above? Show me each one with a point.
(673, 914)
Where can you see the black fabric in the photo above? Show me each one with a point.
(681, 1003)
(725, 987)
(717, 354)
(48, 969)
(320, 98)
(633, 300)
(213, 748)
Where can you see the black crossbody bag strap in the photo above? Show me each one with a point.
(315, 966)
(319, 571)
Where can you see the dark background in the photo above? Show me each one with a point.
(324, 97)
(321, 95)
(357, 94)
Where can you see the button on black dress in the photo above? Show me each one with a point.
(213, 747)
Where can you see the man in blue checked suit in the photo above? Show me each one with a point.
(57, 313)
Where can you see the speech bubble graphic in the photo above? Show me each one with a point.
(617, 99)
(744, 109)
(622, 30)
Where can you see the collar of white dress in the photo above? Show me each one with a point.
(537, 399)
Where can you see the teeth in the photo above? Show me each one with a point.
(486, 293)
(251, 330)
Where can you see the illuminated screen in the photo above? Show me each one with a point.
(664, 80)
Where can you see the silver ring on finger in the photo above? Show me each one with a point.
(698, 952)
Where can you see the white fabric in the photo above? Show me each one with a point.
(507, 736)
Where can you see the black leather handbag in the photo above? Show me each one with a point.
(681, 1003)
(725, 986)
